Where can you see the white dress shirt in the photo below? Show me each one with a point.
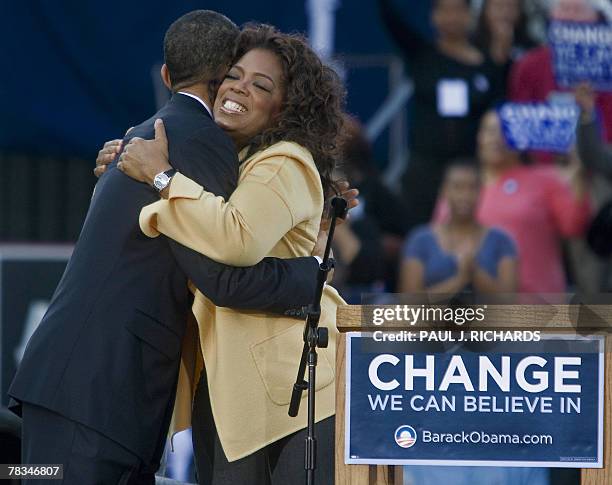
(200, 100)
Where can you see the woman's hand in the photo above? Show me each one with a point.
(573, 173)
(466, 262)
(348, 194)
(585, 99)
(502, 41)
(106, 155)
(144, 159)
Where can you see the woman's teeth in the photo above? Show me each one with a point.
(234, 107)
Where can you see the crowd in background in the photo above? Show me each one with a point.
(471, 213)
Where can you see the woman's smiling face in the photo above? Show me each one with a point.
(251, 96)
(492, 146)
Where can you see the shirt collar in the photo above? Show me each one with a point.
(200, 100)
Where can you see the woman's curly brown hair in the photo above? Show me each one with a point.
(312, 110)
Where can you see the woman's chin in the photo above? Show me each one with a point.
(224, 123)
(491, 158)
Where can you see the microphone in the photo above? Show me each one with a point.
(339, 207)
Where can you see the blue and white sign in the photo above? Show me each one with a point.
(582, 52)
(539, 126)
(523, 404)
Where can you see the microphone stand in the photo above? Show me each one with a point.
(314, 336)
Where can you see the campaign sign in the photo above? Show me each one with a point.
(582, 52)
(539, 126)
(523, 404)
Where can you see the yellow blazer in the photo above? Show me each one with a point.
(251, 358)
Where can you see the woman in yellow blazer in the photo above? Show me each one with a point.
(282, 108)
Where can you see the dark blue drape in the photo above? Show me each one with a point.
(75, 73)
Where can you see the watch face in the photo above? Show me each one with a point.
(160, 181)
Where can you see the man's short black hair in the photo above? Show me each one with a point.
(198, 47)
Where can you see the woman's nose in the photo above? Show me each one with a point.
(241, 88)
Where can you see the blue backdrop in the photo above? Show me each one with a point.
(76, 73)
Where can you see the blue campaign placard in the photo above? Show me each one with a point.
(581, 52)
(522, 404)
(539, 126)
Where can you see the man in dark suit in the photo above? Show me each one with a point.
(97, 382)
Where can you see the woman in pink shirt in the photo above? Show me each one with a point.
(538, 206)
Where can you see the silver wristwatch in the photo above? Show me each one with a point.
(162, 179)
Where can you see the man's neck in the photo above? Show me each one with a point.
(199, 91)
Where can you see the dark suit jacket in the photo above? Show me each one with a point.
(106, 353)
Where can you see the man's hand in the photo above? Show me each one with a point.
(144, 159)
(106, 156)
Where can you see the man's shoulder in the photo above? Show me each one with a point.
(197, 147)
(182, 124)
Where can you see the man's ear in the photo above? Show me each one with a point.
(165, 75)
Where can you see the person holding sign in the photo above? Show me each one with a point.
(534, 77)
(535, 205)
(459, 254)
(595, 154)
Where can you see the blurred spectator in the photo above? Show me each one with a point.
(179, 460)
(359, 167)
(357, 251)
(532, 78)
(592, 150)
(537, 206)
(596, 156)
(502, 32)
(381, 215)
(459, 254)
(454, 84)
(456, 255)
